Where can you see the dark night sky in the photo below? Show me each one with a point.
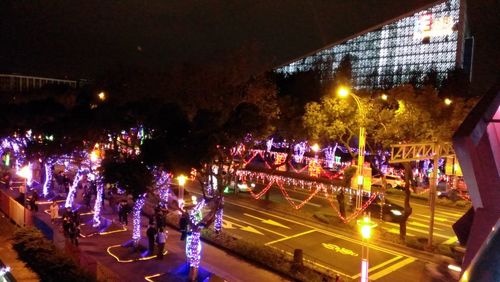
(84, 38)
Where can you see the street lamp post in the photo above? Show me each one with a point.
(344, 92)
(365, 226)
(181, 179)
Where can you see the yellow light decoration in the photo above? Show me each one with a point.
(129, 260)
(148, 278)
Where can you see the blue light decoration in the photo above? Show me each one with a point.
(48, 177)
(98, 203)
(218, 220)
(193, 249)
(136, 215)
(72, 189)
(163, 183)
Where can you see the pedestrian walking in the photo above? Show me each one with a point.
(74, 233)
(151, 233)
(67, 221)
(33, 204)
(161, 238)
(123, 212)
(183, 224)
(54, 211)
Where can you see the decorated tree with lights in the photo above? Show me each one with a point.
(134, 177)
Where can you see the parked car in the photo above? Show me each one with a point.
(390, 212)
(392, 181)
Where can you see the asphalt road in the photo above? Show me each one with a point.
(334, 251)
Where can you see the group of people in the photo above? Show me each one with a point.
(158, 236)
(71, 225)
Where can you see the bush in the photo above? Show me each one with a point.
(42, 256)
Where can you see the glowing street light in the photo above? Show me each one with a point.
(94, 156)
(344, 92)
(101, 96)
(448, 101)
(27, 173)
(181, 179)
(384, 97)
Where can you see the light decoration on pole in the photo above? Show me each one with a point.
(163, 182)
(72, 189)
(48, 177)
(218, 217)
(136, 215)
(299, 150)
(193, 249)
(98, 202)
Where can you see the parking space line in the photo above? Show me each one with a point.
(265, 229)
(419, 230)
(289, 237)
(379, 266)
(391, 268)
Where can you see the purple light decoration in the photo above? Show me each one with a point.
(163, 183)
(72, 189)
(98, 203)
(193, 249)
(269, 145)
(218, 220)
(136, 214)
(48, 177)
(330, 156)
(299, 151)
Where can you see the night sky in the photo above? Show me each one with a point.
(81, 39)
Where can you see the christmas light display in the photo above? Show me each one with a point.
(72, 189)
(48, 177)
(330, 155)
(299, 150)
(218, 218)
(269, 145)
(98, 203)
(136, 215)
(193, 249)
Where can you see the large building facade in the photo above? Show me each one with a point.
(434, 38)
(23, 83)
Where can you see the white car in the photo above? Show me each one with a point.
(392, 181)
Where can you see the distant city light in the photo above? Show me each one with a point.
(102, 96)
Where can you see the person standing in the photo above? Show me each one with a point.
(340, 200)
(151, 233)
(34, 198)
(54, 211)
(161, 238)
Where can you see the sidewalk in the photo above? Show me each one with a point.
(105, 254)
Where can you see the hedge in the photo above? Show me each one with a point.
(42, 256)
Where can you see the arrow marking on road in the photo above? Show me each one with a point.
(251, 229)
(267, 221)
(227, 224)
(248, 223)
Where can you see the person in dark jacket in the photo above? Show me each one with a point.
(151, 233)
